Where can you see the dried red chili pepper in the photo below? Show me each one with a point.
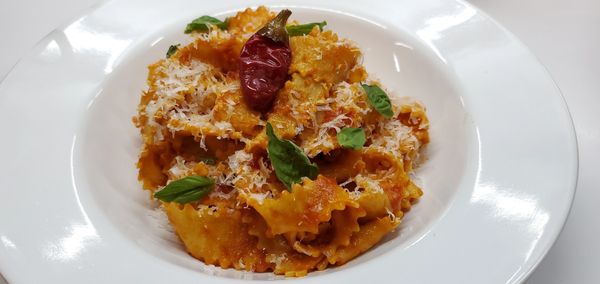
(264, 63)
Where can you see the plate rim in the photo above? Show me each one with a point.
(572, 131)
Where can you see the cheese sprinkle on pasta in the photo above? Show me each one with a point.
(194, 121)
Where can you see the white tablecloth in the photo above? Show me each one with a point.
(564, 35)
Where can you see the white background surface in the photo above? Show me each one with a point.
(564, 35)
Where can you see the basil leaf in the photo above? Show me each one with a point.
(208, 160)
(185, 190)
(190, 196)
(379, 100)
(203, 23)
(172, 50)
(300, 30)
(352, 138)
(223, 25)
(288, 160)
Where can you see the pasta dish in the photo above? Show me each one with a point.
(271, 148)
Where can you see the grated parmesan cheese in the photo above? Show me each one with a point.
(390, 135)
(169, 89)
(367, 183)
(180, 168)
(323, 138)
(276, 259)
(259, 197)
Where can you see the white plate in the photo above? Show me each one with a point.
(498, 183)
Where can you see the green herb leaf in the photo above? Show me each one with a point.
(203, 23)
(288, 160)
(300, 30)
(172, 50)
(223, 25)
(379, 100)
(185, 190)
(208, 160)
(352, 138)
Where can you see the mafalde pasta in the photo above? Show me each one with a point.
(261, 172)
